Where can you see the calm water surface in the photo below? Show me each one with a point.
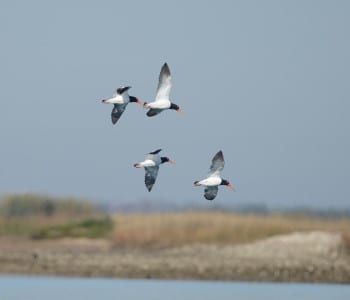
(59, 288)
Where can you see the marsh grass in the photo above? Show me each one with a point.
(177, 229)
(89, 228)
(37, 227)
(43, 217)
(26, 226)
(170, 229)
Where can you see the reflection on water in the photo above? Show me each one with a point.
(58, 288)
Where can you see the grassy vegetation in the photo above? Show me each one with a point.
(90, 228)
(42, 217)
(21, 205)
(176, 229)
(56, 227)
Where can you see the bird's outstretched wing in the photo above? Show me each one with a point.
(122, 90)
(164, 84)
(117, 111)
(151, 176)
(153, 111)
(155, 151)
(210, 192)
(217, 163)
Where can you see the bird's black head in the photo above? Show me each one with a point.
(224, 182)
(176, 107)
(227, 183)
(134, 99)
(166, 159)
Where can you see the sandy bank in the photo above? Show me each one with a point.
(299, 257)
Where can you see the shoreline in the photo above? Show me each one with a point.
(287, 258)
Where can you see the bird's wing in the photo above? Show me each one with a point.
(217, 163)
(210, 192)
(151, 176)
(122, 90)
(117, 111)
(155, 151)
(153, 111)
(164, 85)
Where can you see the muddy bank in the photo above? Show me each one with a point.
(297, 257)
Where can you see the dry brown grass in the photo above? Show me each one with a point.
(176, 229)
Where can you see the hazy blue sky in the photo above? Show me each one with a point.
(265, 81)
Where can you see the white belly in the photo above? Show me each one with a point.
(119, 99)
(147, 163)
(160, 104)
(210, 181)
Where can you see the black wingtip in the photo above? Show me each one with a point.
(165, 69)
(121, 90)
(150, 113)
(210, 198)
(149, 187)
(219, 155)
(156, 151)
(114, 120)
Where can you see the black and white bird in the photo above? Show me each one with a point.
(162, 101)
(214, 179)
(120, 100)
(151, 164)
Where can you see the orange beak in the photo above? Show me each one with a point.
(171, 161)
(180, 111)
(231, 187)
(139, 102)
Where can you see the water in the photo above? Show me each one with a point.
(59, 288)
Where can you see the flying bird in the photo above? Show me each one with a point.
(120, 100)
(162, 101)
(151, 164)
(214, 179)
